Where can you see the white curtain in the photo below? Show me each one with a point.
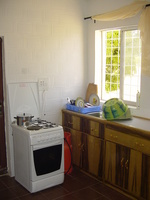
(144, 26)
(122, 13)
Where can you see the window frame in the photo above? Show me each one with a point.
(99, 63)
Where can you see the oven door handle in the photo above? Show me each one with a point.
(47, 144)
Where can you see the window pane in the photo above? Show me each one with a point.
(127, 61)
(108, 68)
(128, 42)
(132, 64)
(127, 70)
(108, 51)
(128, 51)
(108, 78)
(136, 42)
(112, 68)
(129, 64)
(108, 60)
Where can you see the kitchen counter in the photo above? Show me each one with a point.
(136, 125)
(139, 123)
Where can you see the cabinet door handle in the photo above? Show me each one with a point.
(70, 123)
(79, 145)
(122, 162)
(141, 145)
(115, 136)
(82, 147)
(126, 164)
(93, 129)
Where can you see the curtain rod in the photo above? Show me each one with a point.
(91, 16)
(147, 5)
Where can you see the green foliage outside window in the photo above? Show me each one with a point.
(112, 73)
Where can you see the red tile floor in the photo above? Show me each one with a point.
(77, 186)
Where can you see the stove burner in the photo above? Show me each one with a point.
(50, 125)
(41, 124)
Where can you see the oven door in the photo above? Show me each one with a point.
(47, 159)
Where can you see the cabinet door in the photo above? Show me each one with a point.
(76, 139)
(95, 155)
(84, 156)
(145, 185)
(122, 166)
(110, 162)
(135, 168)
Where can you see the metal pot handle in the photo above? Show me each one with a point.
(16, 117)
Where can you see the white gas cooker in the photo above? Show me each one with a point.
(40, 131)
(24, 98)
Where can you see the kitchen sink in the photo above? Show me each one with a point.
(95, 114)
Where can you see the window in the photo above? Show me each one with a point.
(120, 64)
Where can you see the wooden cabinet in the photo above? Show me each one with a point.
(117, 164)
(118, 155)
(123, 167)
(87, 142)
(125, 163)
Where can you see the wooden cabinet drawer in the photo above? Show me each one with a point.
(72, 121)
(94, 128)
(127, 140)
(142, 145)
(76, 122)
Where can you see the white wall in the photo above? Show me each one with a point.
(44, 39)
(98, 7)
(48, 39)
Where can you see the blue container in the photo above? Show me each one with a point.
(83, 110)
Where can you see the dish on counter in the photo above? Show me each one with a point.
(79, 102)
(94, 100)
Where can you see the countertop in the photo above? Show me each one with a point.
(139, 126)
(139, 123)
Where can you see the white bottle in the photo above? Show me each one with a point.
(68, 100)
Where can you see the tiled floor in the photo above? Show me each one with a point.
(76, 186)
